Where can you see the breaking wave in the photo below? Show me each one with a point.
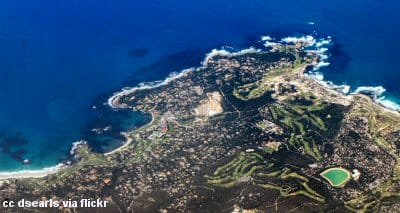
(308, 40)
(388, 103)
(319, 77)
(144, 86)
(311, 44)
(315, 45)
(377, 94)
(47, 170)
(176, 75)
(371, 91)
(74, 148)
(318, 46)
(223, 52)
(321, 47)
(32, 173)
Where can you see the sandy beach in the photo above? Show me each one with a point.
(128, 141)
(51, 170)
(113, 102)
(31, 173)
(129, 138)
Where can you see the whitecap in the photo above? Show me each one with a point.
(369, 90)
(270, 44)
(319, 77)
(223, 52)
(319, 47)
(74, 147)
(377, 95)
(32, 173)
(266, 38)
(145, 86)
(315, 75)
(175, 75)
(323, 42)
(321, 64)
(388, 103)
(307, 40)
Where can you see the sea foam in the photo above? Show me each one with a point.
(388, 103)
(377, 94)
(319, 77)
(269, 41)
(266, 38)
(321, 47)
(74, 148)
(223, 52)
(145, 86)
(317, 46)
(175, 75)
(372, 91)
(308, 40)
(32, 173)
(47, 170)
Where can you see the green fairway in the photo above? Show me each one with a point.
(337, 177)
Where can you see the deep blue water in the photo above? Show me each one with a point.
(60, 58)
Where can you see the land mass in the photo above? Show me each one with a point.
(245, 132)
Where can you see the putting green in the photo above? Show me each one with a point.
(337, 177)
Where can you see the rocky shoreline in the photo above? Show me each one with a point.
(208, 145)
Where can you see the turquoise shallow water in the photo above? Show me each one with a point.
(58, 59)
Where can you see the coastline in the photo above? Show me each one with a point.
(40, 173)
(375, 103)
(129, 139)
(113, 100)
(32, 173)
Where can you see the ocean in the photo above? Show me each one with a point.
(61, 60)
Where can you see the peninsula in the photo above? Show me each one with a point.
(244, 132)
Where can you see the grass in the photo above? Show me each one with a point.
(370, 202)
(263, 174)
(308, 192)
(288, 174)
(258, 88)
(88, 159)
(288, 191)
(244, 165)
(301, 119)
(380, 122)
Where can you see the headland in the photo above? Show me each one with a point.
(244, 131)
